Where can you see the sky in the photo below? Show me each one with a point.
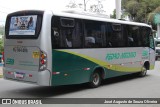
(8, 6)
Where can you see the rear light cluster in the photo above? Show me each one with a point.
(43, 61)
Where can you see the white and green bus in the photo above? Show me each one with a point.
(60, 48)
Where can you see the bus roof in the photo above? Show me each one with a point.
(96, 17)
(88, 16)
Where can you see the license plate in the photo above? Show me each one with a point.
(19, 75)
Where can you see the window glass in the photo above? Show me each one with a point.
(152, 42)
(66, 35)
(115, 37)
(94, 34)
(137, 36)
(134, 39)
(145, 33)
(67, 22)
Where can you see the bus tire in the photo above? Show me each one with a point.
(143, 72)
(95, 80)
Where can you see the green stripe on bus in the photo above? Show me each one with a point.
(105, 64)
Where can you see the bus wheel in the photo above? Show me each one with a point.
(95, 80)
(143, 72)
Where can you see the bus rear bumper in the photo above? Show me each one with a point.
(42, 78)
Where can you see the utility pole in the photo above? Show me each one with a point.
(118, 9)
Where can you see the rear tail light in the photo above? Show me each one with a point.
(43, 55)
(30, 75)
(43, 61)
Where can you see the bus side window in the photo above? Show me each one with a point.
(131, 39)
(152, 45)
(77, 34)
(56, 33)
(89, 42)
(55, 37)
(68, 38)
(115, 35)
(94, 34)
(66, 33)
(134, 38)
(109, 35)
(145, 33)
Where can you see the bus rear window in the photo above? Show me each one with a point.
(23, 25)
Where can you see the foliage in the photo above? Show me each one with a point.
(152, 15)
(1, 30)
(140, 10)
(114, 14)
(95, 8)
(1, 46)
(72, 4)
(1, 40)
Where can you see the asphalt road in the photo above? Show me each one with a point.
(121, 87)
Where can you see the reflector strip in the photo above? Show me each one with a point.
(55, 73)
(86, 69)
(30, 75)
(11, 73)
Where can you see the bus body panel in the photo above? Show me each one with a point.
(15, 57)
(45, 46)
(152, 59)
(75, 66)
(22, 56)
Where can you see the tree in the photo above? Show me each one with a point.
(72, 4)
(139, 10)
(1, 46)
(114, 14)
(152, 15)
(132, 7)
(1, 30)
(96, 8)
(1, 40)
